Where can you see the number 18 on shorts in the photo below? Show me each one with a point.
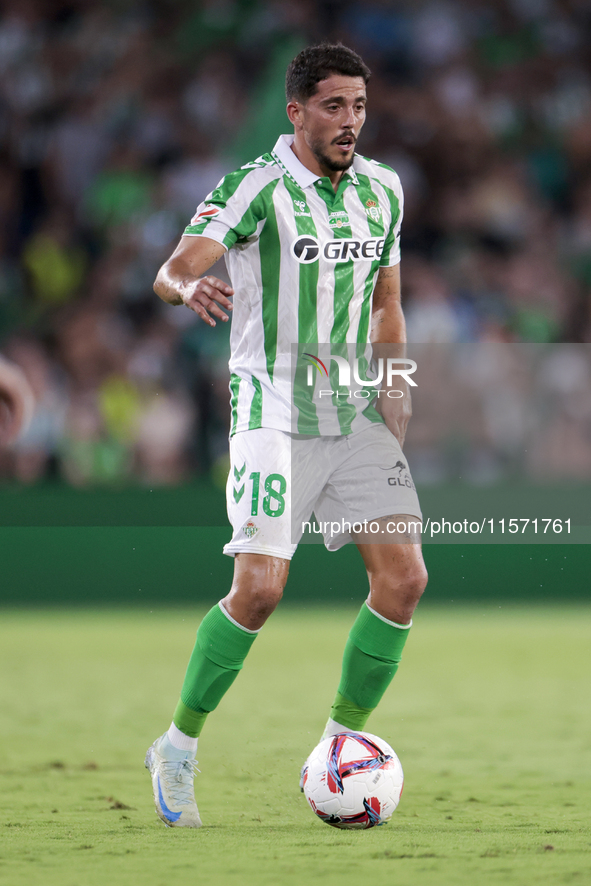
(258, 493)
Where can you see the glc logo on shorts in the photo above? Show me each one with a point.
(307, 249)
(403, 477)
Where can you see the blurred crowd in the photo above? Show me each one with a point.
(116, 119)
(489, 412)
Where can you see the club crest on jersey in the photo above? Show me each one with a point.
(306, 249)
(205, 213)
(373, 210)
(250, 529)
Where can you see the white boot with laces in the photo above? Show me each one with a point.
(172, 774)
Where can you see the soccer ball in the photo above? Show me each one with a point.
(353, 780)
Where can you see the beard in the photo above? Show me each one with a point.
(333, 165)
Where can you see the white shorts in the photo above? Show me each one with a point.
(278, 479)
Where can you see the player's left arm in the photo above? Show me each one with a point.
(388, 337)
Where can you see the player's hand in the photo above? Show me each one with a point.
(396, 411)
(207, 296)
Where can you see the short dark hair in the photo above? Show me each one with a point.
(316, 63)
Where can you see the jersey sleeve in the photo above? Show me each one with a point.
(391, 251)
(232, 212)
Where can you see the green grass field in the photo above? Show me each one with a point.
(489, 714)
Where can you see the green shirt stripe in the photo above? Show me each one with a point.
(391, 235)
(256, 407)
(234, 389)
(270, 258)
(343, 290)
(365, 194)
(307, 420)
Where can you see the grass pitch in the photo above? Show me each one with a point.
(489, 714)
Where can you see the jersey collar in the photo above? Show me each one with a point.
(296, 170)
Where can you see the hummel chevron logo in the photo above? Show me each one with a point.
(238, 475)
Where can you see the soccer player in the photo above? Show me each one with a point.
(310, 233)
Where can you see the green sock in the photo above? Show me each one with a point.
(218, 656)
(371, 659)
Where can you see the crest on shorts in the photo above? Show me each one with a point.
(373, 210)
(250, 529)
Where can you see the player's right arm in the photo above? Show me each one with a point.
(181, 280)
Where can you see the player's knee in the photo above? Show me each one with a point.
(412, 584)
(257, 588)
(416, 580)
(264, 600)
(404, 583)
(396, 595)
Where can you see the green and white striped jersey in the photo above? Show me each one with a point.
(303, 261)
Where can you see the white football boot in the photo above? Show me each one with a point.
(172, 774)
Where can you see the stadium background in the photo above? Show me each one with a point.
(116, 119)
